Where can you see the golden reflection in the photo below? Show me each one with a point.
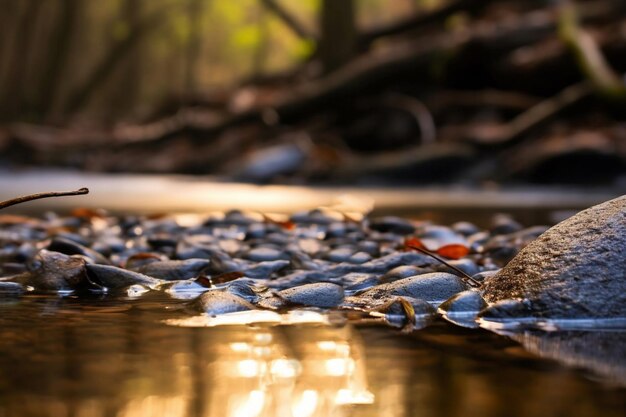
(274, 371)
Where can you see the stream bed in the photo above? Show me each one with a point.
(128, 353)
(119, 357)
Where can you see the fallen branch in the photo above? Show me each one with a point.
(31, 197)
(435, 15)
(590, 59)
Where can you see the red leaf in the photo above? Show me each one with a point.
(453, 251)
(413, 242)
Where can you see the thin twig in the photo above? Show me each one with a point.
(23, 199)
(432, 255)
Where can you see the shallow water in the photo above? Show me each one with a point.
(105, 357)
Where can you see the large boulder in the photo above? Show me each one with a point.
(576, 269)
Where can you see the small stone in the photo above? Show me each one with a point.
(464, 302)
(485, 275)
(219, 302)
(433, 287)
(321, 294)
(370, 247)
(175, 270)
(317, 216)
(262, 254)
(265, 269)
(466, 265)
(360, 258)
(403, 271)
(115, 278)
(11, 289)
(54, 271)
(340, 254)
(465, 228)
(392, 224)
(503, 224)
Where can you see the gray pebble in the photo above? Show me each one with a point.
(262, 254)
(392, 224)
(321, 294)
(219, 302)
(175, 270)
(340, 254)
(402, 271)
(433, 287)
(113, 277)
(360, 258)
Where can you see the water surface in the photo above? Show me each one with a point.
(105, 357)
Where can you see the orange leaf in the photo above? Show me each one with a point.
(453, 251)
(413, 242)
(87, 213)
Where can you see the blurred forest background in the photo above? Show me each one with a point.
(120, 59)
(298, 90)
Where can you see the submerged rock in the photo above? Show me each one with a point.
(54, 271)
(577, 269)
(219, 302)
(321, 294)
(174, 270)
(115, 278)
(433, 287)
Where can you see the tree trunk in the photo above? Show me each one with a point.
(338, 33)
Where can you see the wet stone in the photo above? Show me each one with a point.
(464, 302)
(54, 271)
(322, 294)
(360, 258)
(264, 270)
(392, 224)
(114, 278)
(485, 275)
(433, 287)
(369, 247)
(465, 228)
(574, 270)
(262, 254)
(503, 224)
(71, 247)
(238, 260)
(219, 302)
(173, 270)
(403, 271)
(11, 289)
(340, 254)
(317, 216)
(466, 265)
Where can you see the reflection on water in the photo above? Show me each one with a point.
(107, 358)
(603, 352)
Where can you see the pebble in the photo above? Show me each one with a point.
(340, 254)
(316, 262)
(403, 271)
(321, 294)
(173, 270)
(434, 287)
(114, 278)
(466, 265)
(360, 258)
(262, 254)
(219, 302)
(392, 224)
(465, 228)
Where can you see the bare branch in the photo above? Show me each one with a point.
(23, 199)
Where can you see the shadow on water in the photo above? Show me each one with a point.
(67, 357)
